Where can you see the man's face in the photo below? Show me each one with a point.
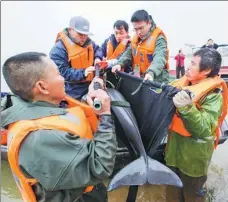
(78, 37)
(141, 28)
(210, 42)
(193, 72)
(53, 82)
(120, 34)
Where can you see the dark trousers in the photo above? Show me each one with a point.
(193, 190)
(180, 70)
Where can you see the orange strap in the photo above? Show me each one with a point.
(3, 136)
(224, 112)
(89, 189)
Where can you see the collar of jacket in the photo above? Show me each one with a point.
(22, 110)
(113, 40)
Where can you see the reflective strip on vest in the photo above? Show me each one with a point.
(149, 40)
(70, 117)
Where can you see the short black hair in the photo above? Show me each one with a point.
(210, 59)
(120, 24)
(179, 51)
(22, 71)
(141, 15)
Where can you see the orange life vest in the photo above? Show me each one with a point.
(199, 91)
(113, 54)
(3, 136)
(78, 56)
(19, 130)
(141, 51)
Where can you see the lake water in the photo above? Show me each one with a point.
(10, 193)
(217, 180)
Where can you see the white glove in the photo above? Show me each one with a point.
(182, 99)
(116, 68)
(112, 63)
(149, 76)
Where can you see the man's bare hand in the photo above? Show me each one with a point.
(103, 97)
(96, 61)
(89, 70)
(125, 41)
(91, 86)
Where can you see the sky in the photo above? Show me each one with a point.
(33, 26)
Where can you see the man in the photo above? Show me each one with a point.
(114, 46)
(55, 154)
(196, 125)
(75, 54)
(180, 64)
(148, 54)
(210, 44)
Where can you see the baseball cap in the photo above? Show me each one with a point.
(80, 24)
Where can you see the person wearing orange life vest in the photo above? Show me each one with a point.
(194, 130)
(114, 46)
(55, 154)
(148, 54)
(75, 54)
